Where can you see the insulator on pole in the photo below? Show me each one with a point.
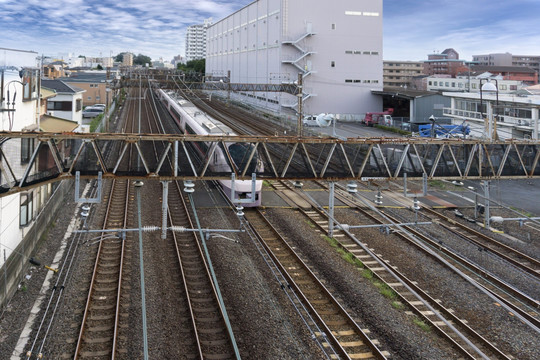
(178, 228)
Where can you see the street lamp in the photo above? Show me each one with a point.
(489, 87)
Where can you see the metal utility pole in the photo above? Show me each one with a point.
(331, 186)
(486, 202)
(107, 90)
(300, 95)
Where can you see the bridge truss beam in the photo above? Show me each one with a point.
(29, 159)
(176, 84)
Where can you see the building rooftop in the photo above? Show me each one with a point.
(60, 87)
(89, 77)
(517, 69)
(403, 92)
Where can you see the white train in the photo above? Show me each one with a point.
(192, 120)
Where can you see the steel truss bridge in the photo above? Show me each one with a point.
(31, 159)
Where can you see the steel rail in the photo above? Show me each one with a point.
(490, 244)
(386, 275)
(497, 288)
(355, 338)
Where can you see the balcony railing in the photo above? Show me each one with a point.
(476, 116)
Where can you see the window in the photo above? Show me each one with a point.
(78, 105)
(333, 64)
(27, 149)
(333, 26)
(60, 105)
(348, 81)
(26, 209)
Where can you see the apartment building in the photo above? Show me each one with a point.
(445, 63)
(273, 41)
(127, 59)
(401, 73)
(196, 40)
(507, 59)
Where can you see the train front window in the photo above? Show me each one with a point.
(240, 154)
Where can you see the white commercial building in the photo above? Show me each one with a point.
(196, 41)
(471, 84)
(336, 46)
(505, 116)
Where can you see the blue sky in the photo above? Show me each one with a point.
(412, 28)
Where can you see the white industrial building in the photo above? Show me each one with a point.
(196, 41)
(336, 46)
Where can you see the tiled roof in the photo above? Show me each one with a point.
(60, 87)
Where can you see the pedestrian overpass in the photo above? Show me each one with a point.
(31, 159)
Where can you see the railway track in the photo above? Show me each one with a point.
(519, 302)
(98, 336)
(210, 333)
(429, 310)
(344, 334)
(522, 261)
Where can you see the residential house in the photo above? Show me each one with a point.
(68, 102)
(94, 83)
(23, 216)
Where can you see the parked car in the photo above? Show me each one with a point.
(100, 106)
(91, 111)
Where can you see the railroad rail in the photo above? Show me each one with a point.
(210, 332)
(99, 330)
(522, 261)
(516, 300)
(347, 338)
(444, 323)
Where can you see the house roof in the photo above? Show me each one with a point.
(60, 87)
(85, 77)
(49, 123)
(47, 93)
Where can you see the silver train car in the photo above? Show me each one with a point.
(191, 120)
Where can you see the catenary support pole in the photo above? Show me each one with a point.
(331, 209)
(138, 185)
(164, 207)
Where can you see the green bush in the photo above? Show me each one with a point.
(95, 122)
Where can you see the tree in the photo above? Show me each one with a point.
(119, 57)
(99, 67)
(142, 60)
(198, 66)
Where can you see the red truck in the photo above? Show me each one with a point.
(381, 118)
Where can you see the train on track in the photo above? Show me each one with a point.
(191, 120)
